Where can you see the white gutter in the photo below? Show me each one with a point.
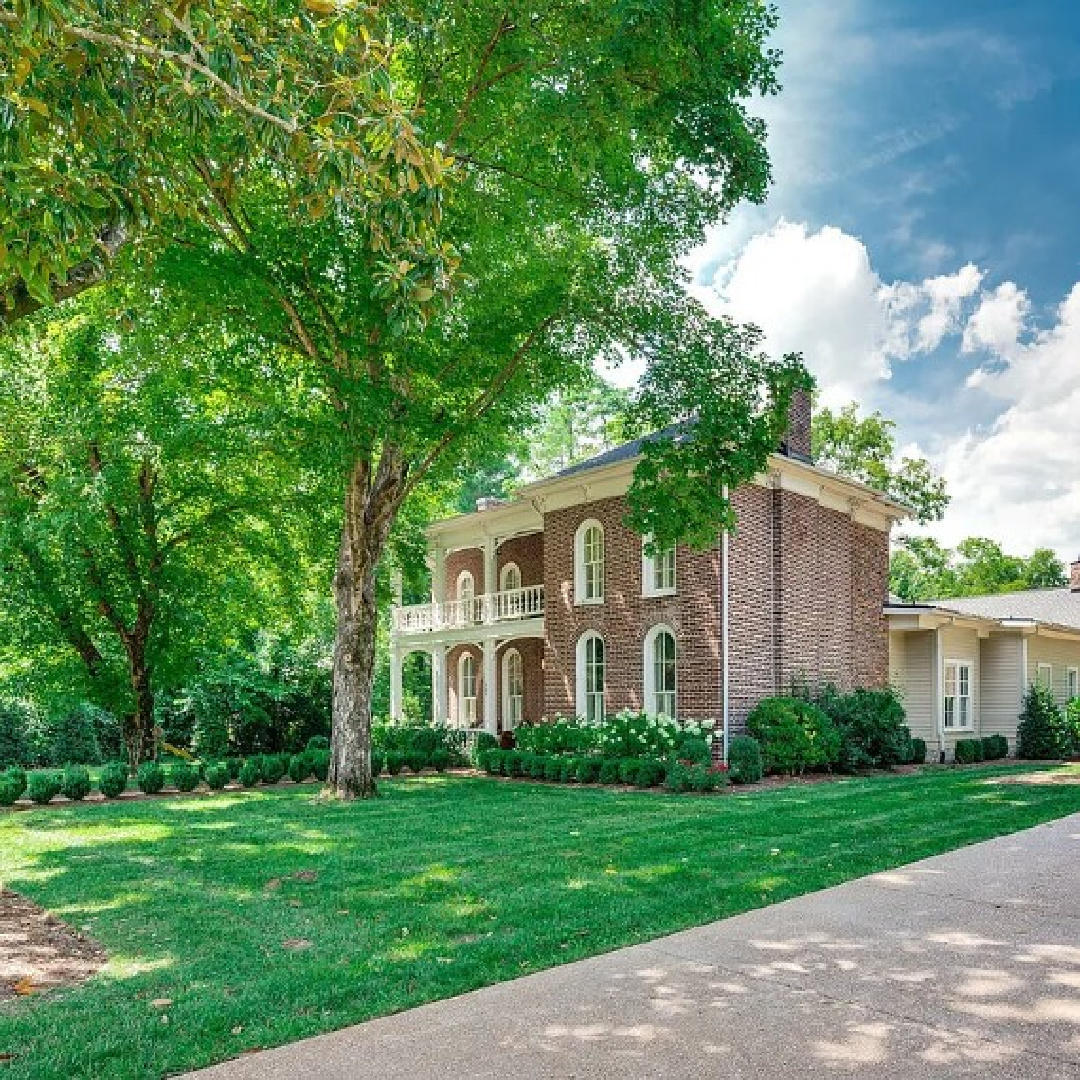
(725, 691)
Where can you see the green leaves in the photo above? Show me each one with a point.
(720, 405)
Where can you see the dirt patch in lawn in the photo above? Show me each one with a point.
(39, 952)
(1068, 775)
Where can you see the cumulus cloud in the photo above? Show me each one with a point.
(1018, 481)
(998, 321)
(818, 293)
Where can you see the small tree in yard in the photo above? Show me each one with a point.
(1042, 732)
(522, 187)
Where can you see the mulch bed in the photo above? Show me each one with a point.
(39, 952)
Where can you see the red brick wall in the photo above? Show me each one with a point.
(797, 438)
(625, 617)
(532, 663)
(528, 553)
(471, 559)
(869, 594)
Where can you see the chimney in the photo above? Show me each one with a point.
(1074, 576)
(796, 441)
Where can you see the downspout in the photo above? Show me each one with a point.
(725, 641)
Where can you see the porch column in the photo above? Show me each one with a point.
(437, 561)
(395, 683)
(438, 685)
(491, 584)
(491, 719)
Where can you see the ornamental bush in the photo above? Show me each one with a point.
(318, 742)
(1042, 732)
(871, 725)
(994, 747)
(75, 784)
(705, 778)
(538, 766)
(272, 768)
(320, 764)
(234, 764)
(299, 768)
(150, 777)
(629, 770)
(378, 762)
(18, 778)
(485, 741)
(588, 770)
(250, 772)
(11, 789)
(113, 781)
(394, 763)
(609, 771)
(918, 751)
(183, 777)
(568, 767)
(693, 748)
(563, 735)
(968, 751)
(43, 787)
(745, 765)
(1072, 727)
(553, 767)
(650, 772)
(217, 776)
(16, 721)
(440, 759)
(678, 778)
(795, 735)
(416, 760)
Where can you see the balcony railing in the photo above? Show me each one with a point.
(500, 607)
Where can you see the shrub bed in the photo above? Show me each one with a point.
(968, 751)
(150, 778)
(795, 735)
(43, 787)
(75, 784)
(113, 780)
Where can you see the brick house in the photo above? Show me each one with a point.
(547, 604)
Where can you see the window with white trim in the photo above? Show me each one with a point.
(466, 587)
(1044, 675)
(590, 677)
(589, 563)
(1072, 683)
(513, 688)
(467, 690)
(657, 571)
(957, 702)
(510, 577)
(660, 668)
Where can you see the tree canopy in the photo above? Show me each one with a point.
(921, 569)
(865, 448)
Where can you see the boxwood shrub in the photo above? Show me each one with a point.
(609, 770)
(795, 735)
(217, 775)
(995, 747)
(43, 787)
(588, 770)
(918, 751)
(320, 764)
(150, 777)
(18, 777)
(395, 763)
(251, 772)
(273, 767)
(184, 777)
(651, 771)
(745, 765)
(113, 781)
(75, 784)
(968, 751)
(11, 789)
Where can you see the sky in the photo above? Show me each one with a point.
(921, 242)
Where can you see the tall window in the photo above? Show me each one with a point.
(657, 571)
(590, 677)
(589, 563)
(1044, 675)
(957, 694)
(510, 577)
(513, 688)
(467, 690)
(660, 696)
(1072, 683)
(466, 587)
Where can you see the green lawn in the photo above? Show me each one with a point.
(440, 886)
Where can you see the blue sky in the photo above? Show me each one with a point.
(921, 243)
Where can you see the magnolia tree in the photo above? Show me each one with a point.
(452, 210)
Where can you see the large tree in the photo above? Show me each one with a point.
(554, 164)
(864, 447)
(145, 501)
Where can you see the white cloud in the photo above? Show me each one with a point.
(998, 322)
(817, 293)
(1018, 481)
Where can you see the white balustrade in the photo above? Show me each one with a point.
(526, 603)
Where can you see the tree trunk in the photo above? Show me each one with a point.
(370, 508)
(140, 737)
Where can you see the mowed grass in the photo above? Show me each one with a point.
(268, 916)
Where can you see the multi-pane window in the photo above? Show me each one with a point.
(1072, 683)
(658, 571)
(513, 688)
(957, 694)
(1044, 675)
(591, 678)
(511, 577)
(663, 673)
(589, 563)
(466, 587)
(467, 691)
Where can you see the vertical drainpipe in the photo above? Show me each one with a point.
(725, 692)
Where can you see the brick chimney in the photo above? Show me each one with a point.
(1074, 576)
(796, 442)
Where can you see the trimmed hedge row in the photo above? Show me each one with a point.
(584, 769)
(988, 748)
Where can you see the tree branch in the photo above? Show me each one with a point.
(478, 84)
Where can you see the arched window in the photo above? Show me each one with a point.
(467, 690)
(510, 577)
(657, 571)
(466, 587)
(659, 662)
(513, 688)
(590, 677)
(589, 563)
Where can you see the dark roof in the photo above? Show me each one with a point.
(625, 452)
(1058, 606)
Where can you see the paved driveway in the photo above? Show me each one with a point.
(967, 964)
